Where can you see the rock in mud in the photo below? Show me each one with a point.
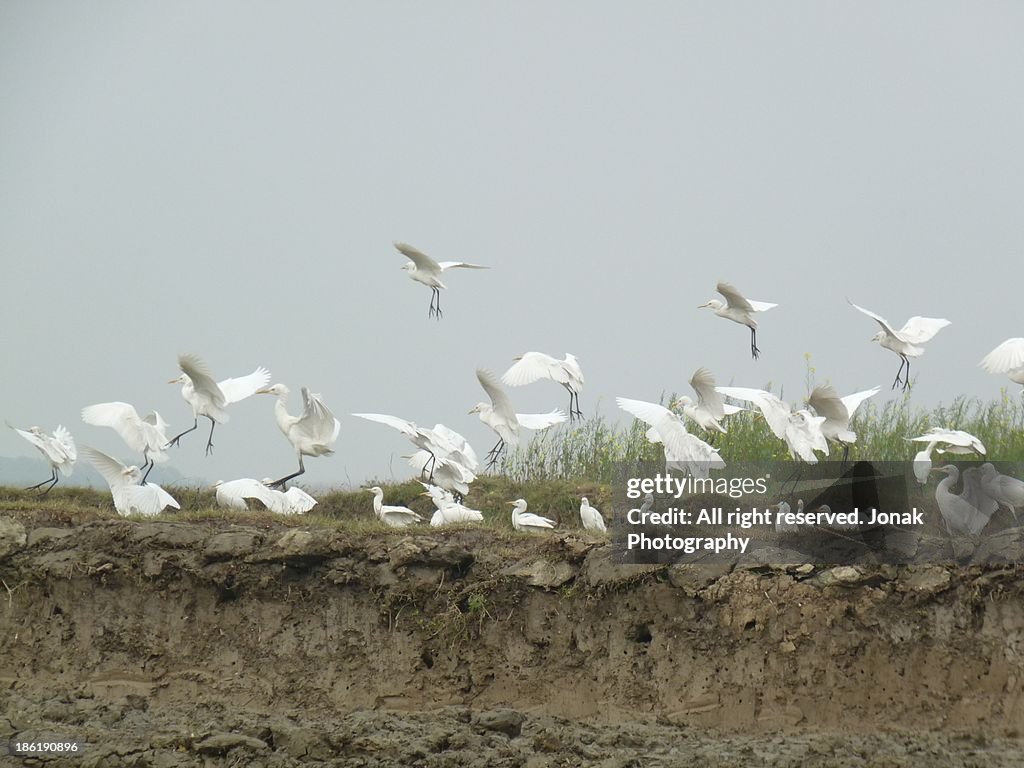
(12, 536)
(542, 573)
(506, 721)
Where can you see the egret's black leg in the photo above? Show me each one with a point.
(754, 351)
(432, 461)
(286, 478)
(437, 304)
(906, 376)
(176, 440)
(151, 463)
(846, 454)
(50, 479)
(49, 488)
(209, 441)
(495, 453)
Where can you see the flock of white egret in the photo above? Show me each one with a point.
(449, 465)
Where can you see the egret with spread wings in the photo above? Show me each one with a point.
(740, 310)
(425, 270)
(536, 365)
(143, 434)
(905, 342)
(312, 433)
(58, 449)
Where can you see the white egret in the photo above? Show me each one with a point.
(1007, 491)
(527, 521)
(1007, 358)
(837, 412)
(951, 441)
(129, 496)
(591, 517)
(442, 445)
(312, 433)
(740, 310)
(209, 398)
(396, 517)
(448, 473)
(922, 463)
(683, 451)
(58, 449)
(146, 435)
(905, 342)
(233, 494)
(425, 270)
(448, 511)
(782, 524)
(710, 409)
(500, 416)
(969, 512)
(531, 366)
(799, 429)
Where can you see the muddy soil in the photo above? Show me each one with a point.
(218, 644)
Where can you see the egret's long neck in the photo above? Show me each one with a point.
(281, 413)
(378, 502)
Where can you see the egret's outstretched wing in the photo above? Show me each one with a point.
(703, 383)
(955, 437)
(853, 402)
(417, 257)
(538, 421)
(299, 501)
(234, 493)
(407, 428)
(244, 386)
(65, 444)
(826, 402)
(918, 330)
(39, 441)
(464, 264)
(113, 471)
(317, 422)
(572, 365)
(1006, 357)
(876, 317)
(737, 300)
(149, 499)
(774, 410)
(202, 381)
(531, 367)
(501, 402)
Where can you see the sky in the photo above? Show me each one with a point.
(227, 179)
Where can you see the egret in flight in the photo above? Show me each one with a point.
(837, 412)
(142, 434)
(710, 409)
(1007, 358)
(798, 428)
(536, 365)
(312, 433)
(500, 416)
(683, 451)
(951, 441)
(425, 270)
(905, 342)
(129, 496)
(58, 449)
(527, 521)
(209, 398)
(442, 445)
(740, 310)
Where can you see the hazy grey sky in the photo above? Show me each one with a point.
(227, 178)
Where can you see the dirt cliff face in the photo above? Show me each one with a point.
(213, 643)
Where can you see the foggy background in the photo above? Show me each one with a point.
(227, 179)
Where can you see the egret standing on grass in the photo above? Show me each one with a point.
(591, 517)
(837, 412)
(396, 517)
(527, 521)
(146, 435)
(312, 433)
(536, 365)
(740, 310)
(1007, 358)
(209, 398)
(500, 416)
(425, 270)
(58, 449)
(905, 342)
